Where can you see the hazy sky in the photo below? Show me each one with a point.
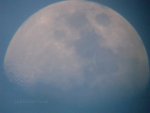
(14, 12)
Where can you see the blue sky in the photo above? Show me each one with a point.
(14, 12)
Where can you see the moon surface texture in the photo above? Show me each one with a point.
(78, 53)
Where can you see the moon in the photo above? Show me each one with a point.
(79, 51)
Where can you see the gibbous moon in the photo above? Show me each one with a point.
(78, 50)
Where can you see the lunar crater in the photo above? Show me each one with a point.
(77, 20)
(103, 19)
